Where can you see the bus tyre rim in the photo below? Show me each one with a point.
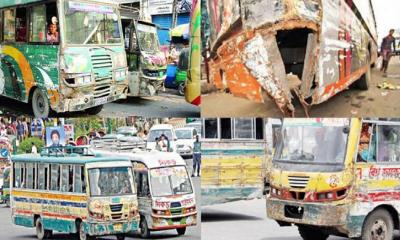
(40, 103)
(379, 230)
(39, 229)
(82, 234)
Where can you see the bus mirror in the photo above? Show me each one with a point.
(346, 130)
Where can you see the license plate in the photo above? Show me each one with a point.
(100, 101)
(118, 227)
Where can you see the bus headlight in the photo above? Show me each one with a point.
(120, 75)
(83, 80)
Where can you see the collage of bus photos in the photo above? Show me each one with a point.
(199, 119)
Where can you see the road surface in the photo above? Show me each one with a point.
(245, 220)
(12, 232)
(166, 104)
(350, 103)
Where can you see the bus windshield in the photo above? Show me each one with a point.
(170, 181)
(90, 23)
(323, 144)
(115, 181)
(148, 39)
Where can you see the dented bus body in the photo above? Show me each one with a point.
(337, 177)
(311, 49)
(83, 69)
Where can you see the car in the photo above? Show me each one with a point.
(127, 131)
(186, 138)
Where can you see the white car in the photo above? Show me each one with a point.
(161, 129)
(185, 143)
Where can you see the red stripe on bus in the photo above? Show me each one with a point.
(379, 197)
(48, 214)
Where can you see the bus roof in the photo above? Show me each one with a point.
(10, 3)
(71, 159)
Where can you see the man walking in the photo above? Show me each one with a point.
(196, 157)
(386, 51)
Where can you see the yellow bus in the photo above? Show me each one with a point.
(337, 177)
(74, 193)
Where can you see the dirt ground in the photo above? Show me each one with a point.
(375, 102)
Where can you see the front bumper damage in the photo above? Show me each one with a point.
(164, 223)
(110, 228)
(253, 45)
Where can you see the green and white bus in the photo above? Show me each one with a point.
(62, 55)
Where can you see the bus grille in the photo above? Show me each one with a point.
(298, 182)
(116, 216)
(176, 205)
(101, 61)
(116, 208)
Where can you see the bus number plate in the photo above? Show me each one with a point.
(100, 101)
(118, 227)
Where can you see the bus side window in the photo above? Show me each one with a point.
(78, 184)
(38, 24)
(29, 176)
(64, 186)
(52, 22)
(83, 179)
(9, 25)
(54, 177)
(17, 175)
(20, 27)
(41, 183)
(367, 144)
(388, 143)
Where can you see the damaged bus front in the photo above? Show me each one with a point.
(312, 49)
(71, 58)
(337, 177)
(147, 64)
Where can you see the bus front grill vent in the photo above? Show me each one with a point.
(101, 61)
(176, 205)
(116, 208)
(298, 182)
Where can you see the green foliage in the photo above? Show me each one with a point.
(26, 145)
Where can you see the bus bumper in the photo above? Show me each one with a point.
(315, 214)
(82, 100)
(110, 228)
(160, 223)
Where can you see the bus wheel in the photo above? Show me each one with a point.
(181, 89)
(94, 110)
(181, 231)
(310, 233)
(120, 237)
(40, 104)
(363, 82)
(378, 225)
(41, 233)
(82, 233)
(144, 229)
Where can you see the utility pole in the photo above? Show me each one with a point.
(174, 13)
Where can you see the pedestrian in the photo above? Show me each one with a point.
(196, 157)
(386, 51)
(34, 148)
(20, 131)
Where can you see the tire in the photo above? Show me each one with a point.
(181, 231)
(40, 104)
(94, 110)
(42, 233)
(310, 233)
(364, 82)
(82, 235)
(181, 89)
(120, 237)
(378, 224)
(144, 229)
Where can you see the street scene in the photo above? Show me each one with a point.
(300, 58)
(299, 178)
(93, 177)
(100, 57)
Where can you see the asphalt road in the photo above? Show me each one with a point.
(12, 232)
(244, 220)
(350, 103)
(166, 104)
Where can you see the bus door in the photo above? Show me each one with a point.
(143, 193)
(133, 56)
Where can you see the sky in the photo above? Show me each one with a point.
(387, 13)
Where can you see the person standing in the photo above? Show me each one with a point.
(386, 50)
(34, 149)
(196, 157)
